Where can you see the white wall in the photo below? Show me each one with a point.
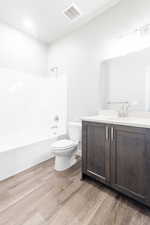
(30, 96)
(20, 52)
(81, 53)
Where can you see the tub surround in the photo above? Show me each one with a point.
(116, 152)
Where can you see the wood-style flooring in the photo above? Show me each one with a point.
(42, 196)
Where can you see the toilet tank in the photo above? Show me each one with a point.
(74, 131)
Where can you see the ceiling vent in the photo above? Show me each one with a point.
(72, 12)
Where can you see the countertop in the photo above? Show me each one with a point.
(127, 121)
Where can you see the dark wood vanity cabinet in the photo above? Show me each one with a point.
(118, 156)
(97, 151)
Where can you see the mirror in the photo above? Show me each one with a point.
(127, 78)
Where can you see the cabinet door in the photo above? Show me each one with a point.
(128, 160)
(96, 151)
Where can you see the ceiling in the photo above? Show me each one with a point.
(44, 19)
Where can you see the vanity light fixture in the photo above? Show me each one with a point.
(142, 31)
(145, 30)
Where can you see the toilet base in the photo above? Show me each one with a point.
(64, 162)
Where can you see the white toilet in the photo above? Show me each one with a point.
(64, 150)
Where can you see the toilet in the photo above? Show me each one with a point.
(64, 150)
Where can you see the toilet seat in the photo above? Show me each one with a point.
(63, 145)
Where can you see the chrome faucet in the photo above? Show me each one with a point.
(124, 109)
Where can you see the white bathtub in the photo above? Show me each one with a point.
(20, 152)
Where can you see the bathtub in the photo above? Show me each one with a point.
(20, 152)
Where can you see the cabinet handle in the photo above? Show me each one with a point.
(107, 133)
(112, 133)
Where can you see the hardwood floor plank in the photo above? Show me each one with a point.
(42, 196)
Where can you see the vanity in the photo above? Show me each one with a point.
(116, 152)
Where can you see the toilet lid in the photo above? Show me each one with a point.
(63, 144)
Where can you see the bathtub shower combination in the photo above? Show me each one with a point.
(29, 106)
